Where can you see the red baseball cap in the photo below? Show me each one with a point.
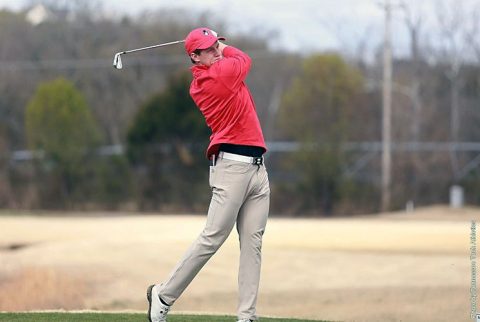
(201, 38)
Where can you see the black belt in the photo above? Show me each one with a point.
(242, 153)
(246, 150)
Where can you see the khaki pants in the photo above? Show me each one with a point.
(241, 195)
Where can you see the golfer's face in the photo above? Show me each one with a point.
(210, 55)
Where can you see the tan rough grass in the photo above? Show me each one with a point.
(394, 267)
(36, 288)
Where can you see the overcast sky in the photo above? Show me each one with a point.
(302, 25)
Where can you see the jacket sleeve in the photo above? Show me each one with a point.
(233, 69)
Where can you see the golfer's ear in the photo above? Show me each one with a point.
(194, 57)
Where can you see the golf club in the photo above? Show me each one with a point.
(117, 60)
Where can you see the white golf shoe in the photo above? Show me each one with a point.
(157, 311)
(245, 320)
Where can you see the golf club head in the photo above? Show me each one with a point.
(117, 61)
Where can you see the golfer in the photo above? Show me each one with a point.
(238, 178)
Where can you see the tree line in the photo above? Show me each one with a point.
(62, 100)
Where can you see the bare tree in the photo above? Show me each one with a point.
(414, 22)
(472, 36)
(357, 47)
(451, 47)
(473, 31)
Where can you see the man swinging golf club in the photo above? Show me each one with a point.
(238, 178)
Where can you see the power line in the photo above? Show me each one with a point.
(107, 63)
(87, 63)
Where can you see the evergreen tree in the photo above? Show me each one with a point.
(166, 142)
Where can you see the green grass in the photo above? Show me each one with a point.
(120, 317)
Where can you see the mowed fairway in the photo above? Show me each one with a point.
(117, 317)
(394, 267)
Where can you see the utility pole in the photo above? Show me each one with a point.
(387, 110)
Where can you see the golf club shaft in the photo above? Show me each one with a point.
(154, 46)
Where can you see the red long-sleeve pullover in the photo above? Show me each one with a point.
(225, 101)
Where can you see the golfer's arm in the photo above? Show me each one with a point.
(234, 68)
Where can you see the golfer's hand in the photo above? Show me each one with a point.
(221, 46)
